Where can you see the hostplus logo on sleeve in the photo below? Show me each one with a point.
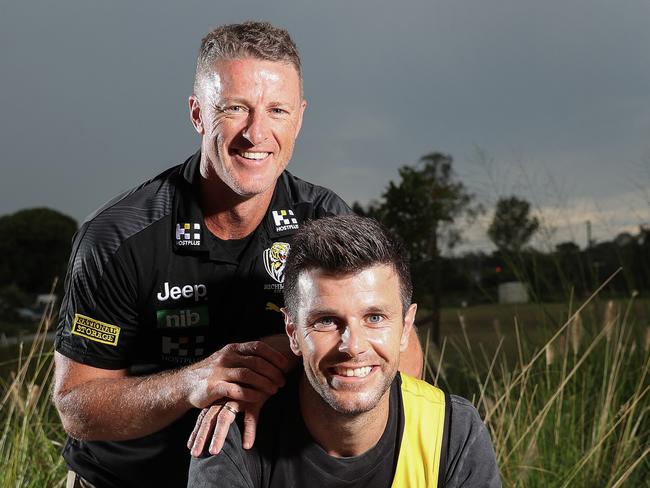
(284, 220)
(188, 234)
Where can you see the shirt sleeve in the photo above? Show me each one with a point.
(228, 468)
(471, 462)
(98, 321)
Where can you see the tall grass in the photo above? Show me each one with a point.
(570, 412)
(31, 436)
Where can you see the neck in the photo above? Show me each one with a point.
(229, 215)
(339, 434)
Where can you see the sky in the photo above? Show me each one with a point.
(548, 100)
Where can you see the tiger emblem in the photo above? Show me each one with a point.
(275, 259)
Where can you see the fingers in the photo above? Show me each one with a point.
(266, 352)
(237, 392)
(252, 379)
(251, 417)
(265, 365)
(202, 430)
(224, 418)
(195, 430)
(246, 372)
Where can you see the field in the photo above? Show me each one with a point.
(563, 388)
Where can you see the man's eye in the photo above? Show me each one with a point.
(278, 111)
(235, 109)
(325, 323)
(375, 319)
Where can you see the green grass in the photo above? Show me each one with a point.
(31, 437)
(566, 406)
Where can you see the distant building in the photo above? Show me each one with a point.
(513, 292)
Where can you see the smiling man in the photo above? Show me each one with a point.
(347, 418)
(174, 289)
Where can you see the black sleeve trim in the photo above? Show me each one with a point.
(444, 450)
(84, 358)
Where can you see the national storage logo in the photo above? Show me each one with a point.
(184, 318)
(95, 330)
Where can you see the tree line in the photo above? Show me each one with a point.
(427, 204)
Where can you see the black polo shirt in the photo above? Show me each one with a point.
(149, 288)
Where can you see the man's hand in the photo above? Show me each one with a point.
(249, 372)
(214, 421)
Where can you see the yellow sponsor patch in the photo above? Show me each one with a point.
(95, 330)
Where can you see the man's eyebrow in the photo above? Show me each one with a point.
(229, 101)
(377, 309)
(321, 312)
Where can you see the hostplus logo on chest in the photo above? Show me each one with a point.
(188, 234)
(284, 220)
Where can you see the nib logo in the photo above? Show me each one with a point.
(182, 318)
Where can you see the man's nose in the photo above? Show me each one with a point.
(257, 129)
(353, 341)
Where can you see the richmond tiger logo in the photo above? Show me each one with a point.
(275, 259)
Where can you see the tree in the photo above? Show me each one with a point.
(35, 247)
(422, 209)
(512, 225)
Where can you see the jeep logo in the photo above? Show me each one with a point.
(197, 291)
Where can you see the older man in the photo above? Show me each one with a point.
(174, 288)
(349, 419)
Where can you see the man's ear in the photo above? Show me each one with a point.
(195, 114)
(409, 320)
(290, 329)
(303, 106)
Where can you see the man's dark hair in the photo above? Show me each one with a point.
(258, 40)
(344, 244)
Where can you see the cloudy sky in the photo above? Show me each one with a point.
(549, 99)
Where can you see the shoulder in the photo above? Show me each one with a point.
(464, 411)
(228, 468)
(471, 455)
(325, 201)
(105, 230)
(132, 210)
(420, 394)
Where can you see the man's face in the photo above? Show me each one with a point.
(350, 331)
(248, 112)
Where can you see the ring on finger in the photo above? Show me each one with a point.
(230, 409)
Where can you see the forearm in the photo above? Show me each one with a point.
(124, 408)
(97, 404)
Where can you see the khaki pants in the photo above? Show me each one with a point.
(76, 481)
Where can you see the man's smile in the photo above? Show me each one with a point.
(253, 155)
(358, 372)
